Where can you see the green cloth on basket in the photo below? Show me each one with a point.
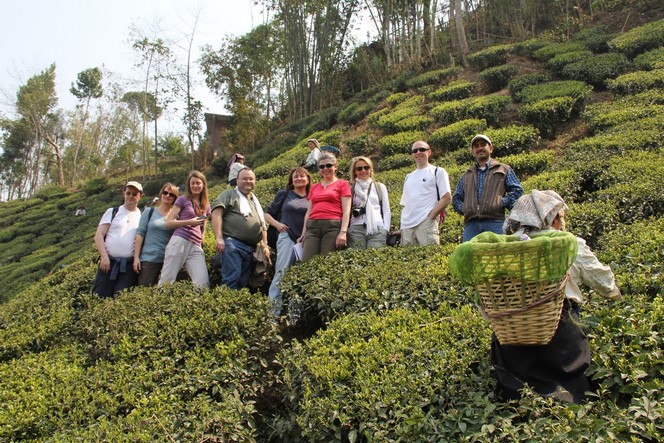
(545, 257)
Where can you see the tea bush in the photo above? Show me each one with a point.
(394, 161)
(548, 113)
(635, 82)
(486, 107)
(388, 122)
(528, 164)
(513, 139)
(434, 77)
(398, 143)
(567, 88)
(489, 57)
(497, 77)
(558, 62)
(355, 112)
(597, 39)
(548, 52)
(419, 277)
(362, 144)
(618, 143)
(601, 116)
(565, 182)
(517, 84)
(397, 98)
(597, 69)
(387, 377)
(640, 39)
(456, 135)
(414, 122)
(648, 61)
(528, 47)
(636, 256)
(456, 90)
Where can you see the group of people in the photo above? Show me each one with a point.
(329, 215)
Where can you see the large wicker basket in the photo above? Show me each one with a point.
(522, 312)
(520, 284)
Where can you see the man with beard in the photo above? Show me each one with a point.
(485, 191)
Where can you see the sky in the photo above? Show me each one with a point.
(82, 34)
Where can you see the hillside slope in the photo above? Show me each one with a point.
(403, 354)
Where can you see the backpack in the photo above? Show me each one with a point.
(113, 214)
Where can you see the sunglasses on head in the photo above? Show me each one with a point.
(325, 166)
(362, 168)
(414, 150)
(170, 194)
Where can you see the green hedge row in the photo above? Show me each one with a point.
(558, 62)
(456, 135)
(517, 84)
(548, 113)
(640, 39)
(597, 69)
(553, 49)
(489, 57)
(650, 60)
(566, 88)
(497, 77)
(434, 77)
(399, 143)
(636, 82)
(456, 90)
(486, 107)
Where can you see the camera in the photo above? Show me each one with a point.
(359, 211)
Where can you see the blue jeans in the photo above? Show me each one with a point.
(285, 258)
(236, 263)
(477, 226)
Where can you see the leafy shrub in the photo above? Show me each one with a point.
(280, 166)
(653, 59)
(513, 139)
(640, 39)
(397, 98)
(456, 90)
(95, 186)
(491, 56)
(597, 69)
(414, 122)
(566, 182)
(601, 116)
(591, 220)
(558, 62)
(394, 161)
(618, 143)
(636, 256)
(517, 84)
(320, 121)
(597, 39)
(635, 82)
(487, 107)
(387, 377)
(497, 77)
(549, 51)
(360, 145)
(398, 143)
(548, 113)
(388, 122)
(456, 135)
(355, 112)
(527, 164)
(419, 277)
(434, 77)
(566, 88)
(528, 47)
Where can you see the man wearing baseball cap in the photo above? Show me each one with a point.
(485, 191)
(114, 240)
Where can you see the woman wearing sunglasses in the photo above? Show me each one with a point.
(189, 218)
(152, 236)
(326, 221)
(370, 213)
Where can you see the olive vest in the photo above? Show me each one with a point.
(490, 205)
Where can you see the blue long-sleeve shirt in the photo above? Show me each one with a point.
(513, 188)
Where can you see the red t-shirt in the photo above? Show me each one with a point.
(326, 202)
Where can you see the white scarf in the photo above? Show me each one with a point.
(245, 209)
(372, 215)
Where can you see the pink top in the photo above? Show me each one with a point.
(326, 202)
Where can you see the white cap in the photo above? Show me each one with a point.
(478, 137)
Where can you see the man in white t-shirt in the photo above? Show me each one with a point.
(426, 194)
(114, 240)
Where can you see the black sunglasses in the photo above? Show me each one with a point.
(170, 194)
(419, 150)
(360, 168)
(325, 166)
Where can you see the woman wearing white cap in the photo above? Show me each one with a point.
(236, 165)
